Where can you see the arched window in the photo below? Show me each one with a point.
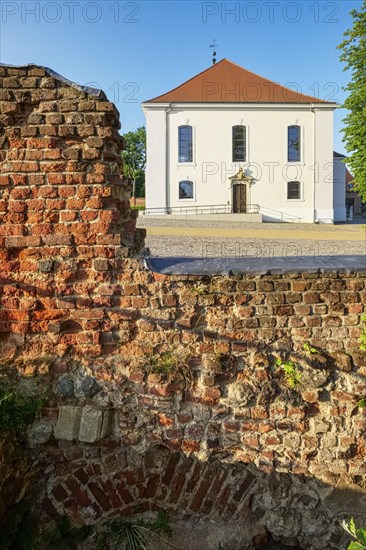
(239, 144)
(293, 144)
(185, 148)
(293, 190)
(186, 189)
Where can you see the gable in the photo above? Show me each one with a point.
(227, 82)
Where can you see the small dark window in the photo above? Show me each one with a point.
(185, 149)
(293, 190)
(239, 144)
(186, 189)
(293, 141)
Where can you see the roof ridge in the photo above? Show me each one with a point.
(306, 98)
(272, 81)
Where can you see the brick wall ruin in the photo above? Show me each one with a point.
(166, 391)
(64, 206)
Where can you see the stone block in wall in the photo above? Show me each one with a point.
(68, 422)
(95, 424)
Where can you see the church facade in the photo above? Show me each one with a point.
(228, 140)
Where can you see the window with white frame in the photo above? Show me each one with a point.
(185, 144)
(186, 189)
(239, 143)
(293, 190)
(294, 144)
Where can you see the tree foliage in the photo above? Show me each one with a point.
(354, 56)
(358, 534)
(134, 158)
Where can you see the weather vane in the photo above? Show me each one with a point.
(214, 51)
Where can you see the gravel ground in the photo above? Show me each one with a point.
(147, 221)
(206, 247)
(288, 239)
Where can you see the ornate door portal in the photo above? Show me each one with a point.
(239, 198)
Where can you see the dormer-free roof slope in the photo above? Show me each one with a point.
(227, 82)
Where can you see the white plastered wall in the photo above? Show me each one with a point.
(339, 193)
(266, 162)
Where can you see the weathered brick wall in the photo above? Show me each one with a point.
(223, 436)
(64, 207)
(245, 446)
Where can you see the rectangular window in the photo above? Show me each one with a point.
(293, 190)
(293, 142)
(185, 148)
(186, 189)
(239, 144)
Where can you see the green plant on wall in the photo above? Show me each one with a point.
(361, 403)
(197, 290)
(359, 536)
(309, 350)
(17, 409)
(165, 364)
(171, 365)
(363, 335)
(291, 372)
(121, 533)
(135, 535)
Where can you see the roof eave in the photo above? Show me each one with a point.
(249, 104)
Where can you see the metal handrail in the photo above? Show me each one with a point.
(220, 209)
(204, 209)
(284, 215)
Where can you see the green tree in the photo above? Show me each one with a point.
(354, 56)
(134, 159)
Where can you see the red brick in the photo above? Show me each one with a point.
(259, 412)
(59, 493)
(264, 428)
(190, 446)
(242, 490)
(342, 396)
(102, 498)
(231, 426)
(170, 468)
(82, 476)
(200, 495)
(112, 493)
(124, 492)
(210, 395)
(311, 298)
(174, 434)
(165, 420)
(80, 497)
(272, 440)
(183, 418)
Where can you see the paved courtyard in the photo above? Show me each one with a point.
(202, 239)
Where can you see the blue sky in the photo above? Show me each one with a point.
(136, 50)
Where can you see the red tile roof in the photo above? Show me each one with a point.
(227, 82)
(349, 176)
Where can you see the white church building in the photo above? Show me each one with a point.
(230, 141)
